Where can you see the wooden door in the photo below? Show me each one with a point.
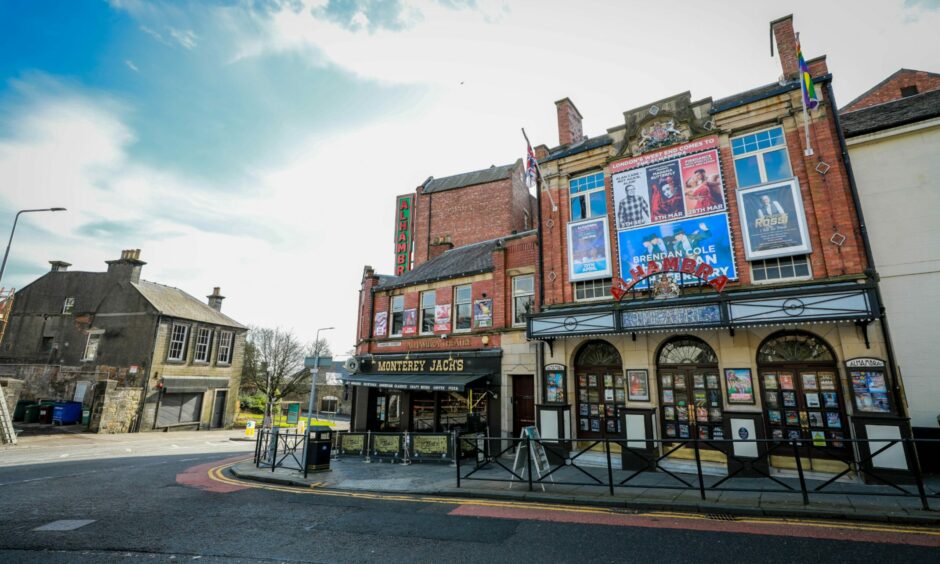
(523, 403)
(218, 410)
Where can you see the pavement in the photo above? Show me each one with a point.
(650, 491)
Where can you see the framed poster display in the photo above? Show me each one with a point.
(638, 385)
(589, 250)
(555, 384)
(869, 390)
(740, 385)
(773, 222)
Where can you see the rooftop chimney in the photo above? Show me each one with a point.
(59, 265)
(785, 39)
(569, 122)
(215, 299)
(127, 267)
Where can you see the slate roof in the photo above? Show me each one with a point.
(760, 93)
(891, 114)
(174, 302)
(579, 147)
(469, 178)
(874, 88)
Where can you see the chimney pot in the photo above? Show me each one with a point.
(215, 299)
(59, 265)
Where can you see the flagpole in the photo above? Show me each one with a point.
(804, 95)
(538, 168)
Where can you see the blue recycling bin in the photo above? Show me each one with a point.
(67, 413)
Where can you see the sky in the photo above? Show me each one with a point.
(259, 145)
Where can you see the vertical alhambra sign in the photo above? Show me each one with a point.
(404, 206)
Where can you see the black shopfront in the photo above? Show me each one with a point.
(427, 392)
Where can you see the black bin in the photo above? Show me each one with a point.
(319, 448)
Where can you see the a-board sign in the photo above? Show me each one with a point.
(536, 456)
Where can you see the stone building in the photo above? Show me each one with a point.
(141, 355)
(893, 137)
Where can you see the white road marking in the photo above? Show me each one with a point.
(64, 455)
(65, 525)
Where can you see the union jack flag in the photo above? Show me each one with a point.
(531, 166)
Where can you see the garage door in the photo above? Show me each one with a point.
(179, 408)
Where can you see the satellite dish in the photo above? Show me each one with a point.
(352, 364)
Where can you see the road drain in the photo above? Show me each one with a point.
(720, 517)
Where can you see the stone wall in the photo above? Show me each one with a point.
(11, 392)
(114, 409)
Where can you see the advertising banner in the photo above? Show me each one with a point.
(706, 240)
(631, 198)
(701, 184)
(665, 195)
(483, 313)
(772, 220)
(403, 227)
(381, 324)
(589, 250)
(675, 151)
(442, 317)
(409, 322)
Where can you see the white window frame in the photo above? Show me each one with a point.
(203, 348)
(181, 355)
(606, 295)
(517, 294)
(458, 303)
(421, 312)
(760, 154)
(226, 344)
(68, 306)
(392, 310)
(587, 196)
(763, 262)
(92, 344)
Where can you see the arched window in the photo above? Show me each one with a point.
(598, 353)
(794, 347)
(687, 350)
(600, 389)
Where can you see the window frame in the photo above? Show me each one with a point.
(586, 193)
(391, 315)
(794, 278)
(457, 305)
(516, 295)
(226, 343)
(68, 305)
(422, 312)
(759, 153)
(207, 353)
(184, 342)
(604, 292)
(94, 335)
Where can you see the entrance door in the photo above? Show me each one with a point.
(218, 409)
(690, 390)
(523, 403)
(601, 390)
(385, 412)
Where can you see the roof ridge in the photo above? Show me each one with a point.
(896, 100)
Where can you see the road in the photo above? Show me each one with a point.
(166, 498)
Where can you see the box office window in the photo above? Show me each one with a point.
(225, 347)
(588, 198)
(760, 157)
(523, 296)
(179, 408)
(398, 308)
(428, 301)
(178, 335)
(463, 307)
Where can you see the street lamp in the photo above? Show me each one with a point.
(316, 369)
(12, 231)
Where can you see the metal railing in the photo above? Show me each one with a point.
(279, 449)
(677, 464)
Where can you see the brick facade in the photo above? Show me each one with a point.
(890, 89)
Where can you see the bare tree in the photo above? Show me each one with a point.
(279, 359)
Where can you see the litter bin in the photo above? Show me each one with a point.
(319, 449)
(67, 413)
(31, 413)
(46, 410)
(19, 412)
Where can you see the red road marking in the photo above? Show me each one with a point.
(198, 477)
(775, 529)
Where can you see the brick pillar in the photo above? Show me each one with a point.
(785, 39)
(569, 122)
(364, 324)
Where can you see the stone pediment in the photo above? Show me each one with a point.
(661, 124)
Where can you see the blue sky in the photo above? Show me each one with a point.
(258, 145)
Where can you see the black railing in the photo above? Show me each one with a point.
(279, 449)
(673, 464)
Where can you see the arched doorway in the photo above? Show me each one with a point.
(689, 389)
(800, 387)
(600, 389)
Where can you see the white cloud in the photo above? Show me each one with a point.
(185, 37)
(130, 64)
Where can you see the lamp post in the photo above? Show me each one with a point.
(316, 370)
(12, 231)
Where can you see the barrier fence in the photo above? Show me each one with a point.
(652, 465)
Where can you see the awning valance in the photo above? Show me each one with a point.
(429, 382)
(178, 384)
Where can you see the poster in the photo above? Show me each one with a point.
(631, 199)
(442, 317)
(772, 220)
(706, 240)
(701, 184)
(870, 391)
(381, 324)
(740, 385)
(589, 250)
(483, 313)
(555, 387)
(409, 322)
(638, 385)
(665, 195)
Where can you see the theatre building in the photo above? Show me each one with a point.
(705, 275)
(441, 343)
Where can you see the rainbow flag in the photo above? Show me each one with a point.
(810, 98)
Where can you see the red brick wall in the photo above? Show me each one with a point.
(569, 122)
(891, 90)
(785, 39)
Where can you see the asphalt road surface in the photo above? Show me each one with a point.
(167, 498)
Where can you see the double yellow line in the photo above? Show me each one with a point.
(217, 474)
